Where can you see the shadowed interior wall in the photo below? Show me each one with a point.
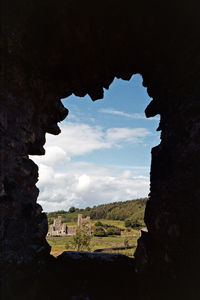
(51, 49)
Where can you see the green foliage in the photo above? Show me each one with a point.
(113, 230)
(88, 208)
(99, 224)
(100, 231)
(72, 209)
(135, 224)
(108, 229)
(127, 223)
(131, 211)
(120, 210)
(67, 216)
(80, 241)
(55, 214)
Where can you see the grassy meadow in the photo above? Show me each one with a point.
(120, 221)
(60, 244)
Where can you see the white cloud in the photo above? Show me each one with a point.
(64, 183)
(78, 139)
(54, 155)
(83, 183)
(46, 174)
(137, 116)
(95, 186)
(134, 135)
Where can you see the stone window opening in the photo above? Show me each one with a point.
(124, 117)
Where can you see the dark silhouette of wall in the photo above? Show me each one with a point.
(51, 49)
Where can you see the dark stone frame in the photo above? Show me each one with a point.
(52, 49)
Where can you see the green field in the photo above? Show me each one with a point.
(116, 223)
(112, 218)
(58, 244)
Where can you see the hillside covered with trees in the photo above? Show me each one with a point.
(131, 212)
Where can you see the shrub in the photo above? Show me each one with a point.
(88, 208)
(127, 223)
(113, 231)
(136, 224)
(100, 231)
(99, 224)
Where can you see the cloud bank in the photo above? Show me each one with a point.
(92, 186)
(64, 182)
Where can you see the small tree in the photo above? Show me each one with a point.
(72, 209)
(88, 208)
(81, 240)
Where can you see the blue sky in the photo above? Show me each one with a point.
(103, 153)
(128, 98)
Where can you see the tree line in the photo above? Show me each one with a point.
(130, 211)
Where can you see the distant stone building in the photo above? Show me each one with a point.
(57, 228)
(85, 221)
(71, 230)
(61, 229)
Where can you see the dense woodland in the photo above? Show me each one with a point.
(131, 212)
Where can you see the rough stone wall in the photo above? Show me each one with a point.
(85, 222)
(51, 49)
(71, 230)
(57, 223)
(22, 133)
(170, 249)
(57, 228)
